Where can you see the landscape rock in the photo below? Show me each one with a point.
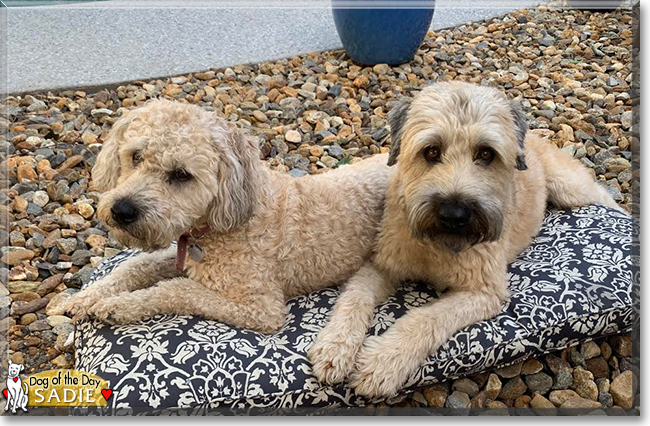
(588, 389)
(510, 371)
(493, 386)
(435, 397)
(57, 303)
(513, 388)
(457, 400)
(621, 389)
(563, 379)
(466, 386)
(622, 345)
(532, 366)
(20, 308)
(577, 402)
(539, 382)
(558, 397)
(590, 350)
(539, 401)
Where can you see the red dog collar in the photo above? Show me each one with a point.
(181, 248)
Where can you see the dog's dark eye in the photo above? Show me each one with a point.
(486, 155)
(432, 154)
(137, 158)
(179, 175)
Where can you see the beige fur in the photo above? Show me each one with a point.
(507, 208)
(272, 236)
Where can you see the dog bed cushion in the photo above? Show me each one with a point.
(578, 280)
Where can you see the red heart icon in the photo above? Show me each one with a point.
(4, 392)
(107, 393)
(15, 379)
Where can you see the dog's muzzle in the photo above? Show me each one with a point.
(467, 221)
(455, 221)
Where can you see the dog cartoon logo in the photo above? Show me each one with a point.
(16, 395)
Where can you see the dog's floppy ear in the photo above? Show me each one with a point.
(397, 119)
(107, 165)
(238, 180)
(521, 127)
(22, 368)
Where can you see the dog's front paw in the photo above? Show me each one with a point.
(381, 368)
(114, 310)
(332, 356)
(80, 304)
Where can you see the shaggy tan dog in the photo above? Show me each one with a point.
(468, 196)
(257, 237)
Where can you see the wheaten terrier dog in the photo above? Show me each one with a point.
(251, 237)
(468, 196)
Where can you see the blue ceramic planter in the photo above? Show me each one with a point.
(375, 36)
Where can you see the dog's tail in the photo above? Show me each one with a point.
(26, 388)
(568, 181)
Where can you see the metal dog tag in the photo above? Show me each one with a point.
(195, 252)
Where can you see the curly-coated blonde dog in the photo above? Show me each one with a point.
(258, 237)
(468, 196)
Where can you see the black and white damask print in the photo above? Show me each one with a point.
(578, 280)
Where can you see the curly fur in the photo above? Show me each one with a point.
(271, 236)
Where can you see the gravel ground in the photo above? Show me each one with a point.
(597, 378)
(571, 70)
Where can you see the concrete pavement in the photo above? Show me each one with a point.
(103, 43)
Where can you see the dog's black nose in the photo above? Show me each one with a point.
(124, 212)
(454, 217)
